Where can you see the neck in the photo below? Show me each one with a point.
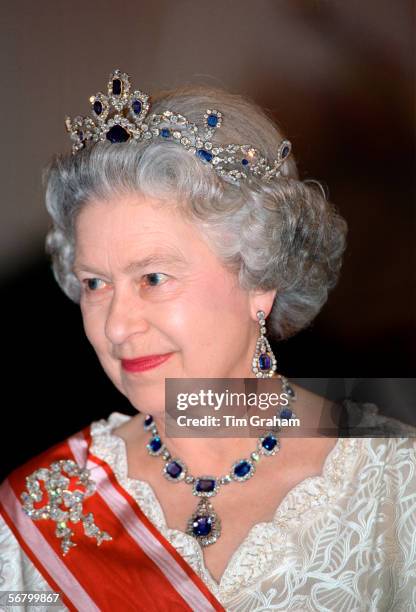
(215, 456)
(212, 455)
(207, 456)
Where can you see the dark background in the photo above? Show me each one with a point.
(338, 76)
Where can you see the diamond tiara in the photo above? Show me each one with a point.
(122, 115)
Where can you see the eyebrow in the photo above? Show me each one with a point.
(135, 266)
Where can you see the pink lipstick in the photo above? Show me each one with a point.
(144, 363)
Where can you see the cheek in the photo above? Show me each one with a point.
(220, 297)
(93, 327)
(207, 311)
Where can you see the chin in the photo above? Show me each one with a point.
(150, 400)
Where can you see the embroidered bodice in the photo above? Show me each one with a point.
(344, 540)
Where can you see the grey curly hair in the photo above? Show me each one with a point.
(282, 235)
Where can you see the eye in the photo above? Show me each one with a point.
(153, 279)
(91, 284)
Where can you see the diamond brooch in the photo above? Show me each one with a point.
(61, 503)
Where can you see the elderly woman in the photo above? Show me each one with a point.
(182, 229)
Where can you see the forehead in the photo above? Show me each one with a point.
(126, 212)
(126, 225)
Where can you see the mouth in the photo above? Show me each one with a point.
(147, 362)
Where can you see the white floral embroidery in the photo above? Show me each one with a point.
(343, 541)
(339, 541)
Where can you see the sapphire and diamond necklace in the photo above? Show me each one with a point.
(205, 524)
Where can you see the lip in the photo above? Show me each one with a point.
(144, 363)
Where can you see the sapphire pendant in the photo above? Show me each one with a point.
(204, 524)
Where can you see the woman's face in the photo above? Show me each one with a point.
(151, 285)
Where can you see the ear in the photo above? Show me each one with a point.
(261, 300)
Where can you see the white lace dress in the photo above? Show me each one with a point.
(340, 542)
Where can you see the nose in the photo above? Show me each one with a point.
(126, 316)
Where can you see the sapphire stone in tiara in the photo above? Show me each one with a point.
(116, 87)
(122, 115)
(205, 155)
(137, 107)
(98, 107)
(212, 120)
(117, 134)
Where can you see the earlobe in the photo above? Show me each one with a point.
(261, 300)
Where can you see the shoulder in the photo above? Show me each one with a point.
(22, 497)
(383, 472)
(388, 444)
(25, 484)
(73, 450)
(64, 449)
(364, 419)
(391, 454)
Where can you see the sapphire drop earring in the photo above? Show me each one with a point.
(264, 362)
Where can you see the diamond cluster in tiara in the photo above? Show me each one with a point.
(122, 115)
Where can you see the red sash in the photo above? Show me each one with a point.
(137, 570)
